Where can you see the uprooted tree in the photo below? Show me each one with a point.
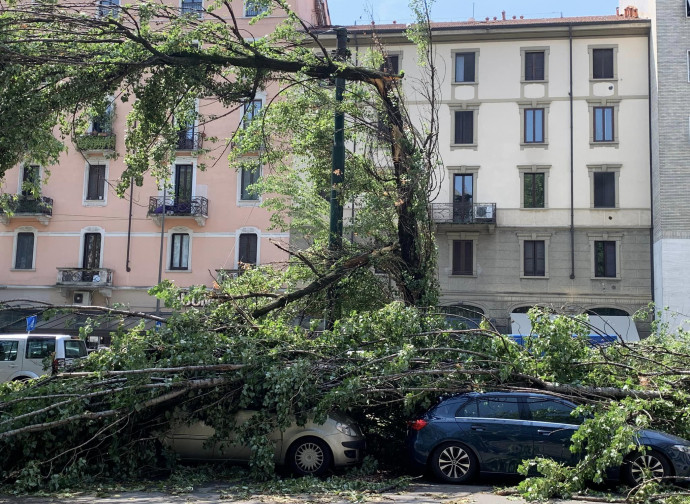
(244, 349)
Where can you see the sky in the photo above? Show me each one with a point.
(349, 12)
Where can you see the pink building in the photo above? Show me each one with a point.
(80, 243)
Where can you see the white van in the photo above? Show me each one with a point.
(22, 356)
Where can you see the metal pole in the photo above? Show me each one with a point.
(335, 241)
(160, 257)
(335, 237)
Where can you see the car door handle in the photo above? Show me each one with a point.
(544, 432)
(477, 428)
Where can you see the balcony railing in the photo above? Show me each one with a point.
(192, 7)
(463, 213)
(195, 207)
(96, 142)
(42, 207)
(189, 140)
(85, 277)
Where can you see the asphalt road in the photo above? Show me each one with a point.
(421, 493)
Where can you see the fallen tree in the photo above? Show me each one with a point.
(381, 367)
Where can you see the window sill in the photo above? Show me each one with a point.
(613, 143)
(534, 277)
(23, 269)
(248, 203)
(534, 208)
(469, 83)
(94, 203)
(472, 146)
(534, 145)
(167, 270)
(604, 79)
(600, 279)
(455, 275)
(604, 208)
(545, 81)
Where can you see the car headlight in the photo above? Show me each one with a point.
(682, 448)
(346, 429)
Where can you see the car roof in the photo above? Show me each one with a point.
(536, 395)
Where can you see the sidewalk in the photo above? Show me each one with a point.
(420, 493)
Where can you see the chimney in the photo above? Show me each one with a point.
(503, 15)
(618, 11)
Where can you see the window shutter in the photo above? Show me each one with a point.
(248, 248)
(25, 251)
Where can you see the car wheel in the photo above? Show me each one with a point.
(309, 456)
(650, 464)
(454, 463)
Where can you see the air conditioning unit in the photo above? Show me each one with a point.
(484, 212)
(81, 298)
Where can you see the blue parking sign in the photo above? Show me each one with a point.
(31, 323)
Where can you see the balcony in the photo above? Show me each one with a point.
(96, 142)
(463, 213)
(189, 140)
(27, 206)
(85, 278)
(195, 207)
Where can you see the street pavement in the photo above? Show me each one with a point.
(419, 493)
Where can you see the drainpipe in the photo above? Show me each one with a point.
(651, 168)
(129, 222)
(572, 163)
(160, 256)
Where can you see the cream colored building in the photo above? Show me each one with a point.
(544, 136)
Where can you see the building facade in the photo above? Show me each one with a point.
(78, 243)
(544, 137)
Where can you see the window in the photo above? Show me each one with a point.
(248, 248)
(192, 7)
(603, 124)
(251, 110)
(499, 407)
(39, 348)
(602, 63)
(464, 127)
(604, 189)
(534, 258)
(31, 180)
(534, 125)
(463, 257)
(552, 411)
(24, 255)
(534, 65)
(108, 8)
(91, 258)
(687, 8)
(465, 67)
(533, 190)
(8, 350)
(252, 8)
(95, 190)
(605, 259)
(391, 64)
(179, 257)
(469, 409)
(249, 176)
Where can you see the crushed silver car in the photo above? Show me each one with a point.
(309, 449)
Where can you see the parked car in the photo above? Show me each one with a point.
(22, 356)
(309, 449)
(494, 432)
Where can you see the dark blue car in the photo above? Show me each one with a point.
(494, 432)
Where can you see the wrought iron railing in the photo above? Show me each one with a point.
(192, 7)
(97, 277)
(189, 140)
(197, 206)
(463, 213)
(30, 205)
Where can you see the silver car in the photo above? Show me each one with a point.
(309, 449)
